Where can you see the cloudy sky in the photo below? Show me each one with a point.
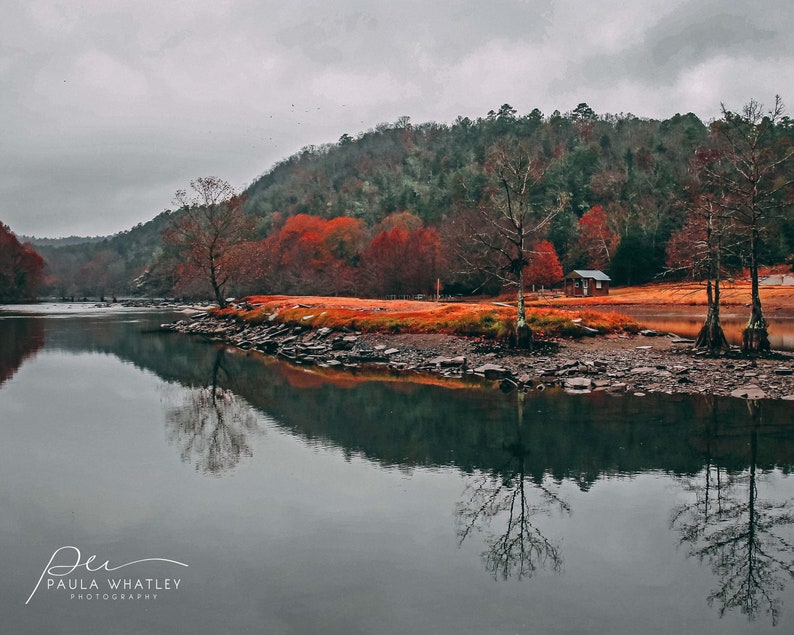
(107, 107)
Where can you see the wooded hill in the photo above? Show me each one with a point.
(629, 178)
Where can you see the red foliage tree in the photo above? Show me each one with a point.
(401, 261)
(21, 267)
(544, 268)
(597, 244)
(314, 255)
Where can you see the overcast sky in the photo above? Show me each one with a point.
(109, 107)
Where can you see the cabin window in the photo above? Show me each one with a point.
(598, 284)
(576, 284)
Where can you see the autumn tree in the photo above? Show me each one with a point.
(544, 268)
(699, 248)
(204, 232)
(749, 166)
(309, 254)
(21, 267)
(401, 260)
(597, 243)
(515, 214)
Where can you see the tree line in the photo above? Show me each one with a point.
(610, 192)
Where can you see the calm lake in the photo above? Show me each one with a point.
(687, 321)
(151, 483)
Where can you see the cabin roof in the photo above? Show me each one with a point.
(594, 274)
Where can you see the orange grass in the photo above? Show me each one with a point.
(487, 319)
(735, 293)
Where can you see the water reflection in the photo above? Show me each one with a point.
(688, 322)
(20, 339)
(518, 454)
(738, 534)
(212, 424)
(504, 505)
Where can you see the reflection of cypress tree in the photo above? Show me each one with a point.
(211, 426)
(503, 496)
(737, 533)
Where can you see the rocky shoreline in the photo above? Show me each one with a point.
(640, 364)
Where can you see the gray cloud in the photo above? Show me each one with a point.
(107, 108)
(692, 34)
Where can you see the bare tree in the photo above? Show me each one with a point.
(514, 215)
(711, 335)
(205, 232)
(748, 167)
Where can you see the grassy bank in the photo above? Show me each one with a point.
(486, 319)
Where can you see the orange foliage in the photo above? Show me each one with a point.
(391, 316)
(544, 266)
(596, 242)
(317, 376)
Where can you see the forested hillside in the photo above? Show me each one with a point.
(409, 193)
(99, 267)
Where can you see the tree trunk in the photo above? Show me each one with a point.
(711, 336)
(523, 332)
(755, 338)
(217, 289)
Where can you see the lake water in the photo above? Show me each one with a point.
(304, 502)
(687, 321)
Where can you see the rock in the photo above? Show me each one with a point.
(648, 333)
(641, 370)
(578, 383)
(749, 392)
(783, 371)
(492, 371)
(391, 351)
(344, 343)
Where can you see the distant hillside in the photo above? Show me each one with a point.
(637, 170)
(97, 267)
(62, 242)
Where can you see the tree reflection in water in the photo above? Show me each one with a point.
(737, 533)
(212, 424)
(499, 505)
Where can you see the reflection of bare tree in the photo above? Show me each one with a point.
(738, 534)
(511, 501)
(212, 425)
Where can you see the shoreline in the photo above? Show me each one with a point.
(640, 364)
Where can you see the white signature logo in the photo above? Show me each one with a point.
(60, 570)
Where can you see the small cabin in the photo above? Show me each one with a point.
(586, 283)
